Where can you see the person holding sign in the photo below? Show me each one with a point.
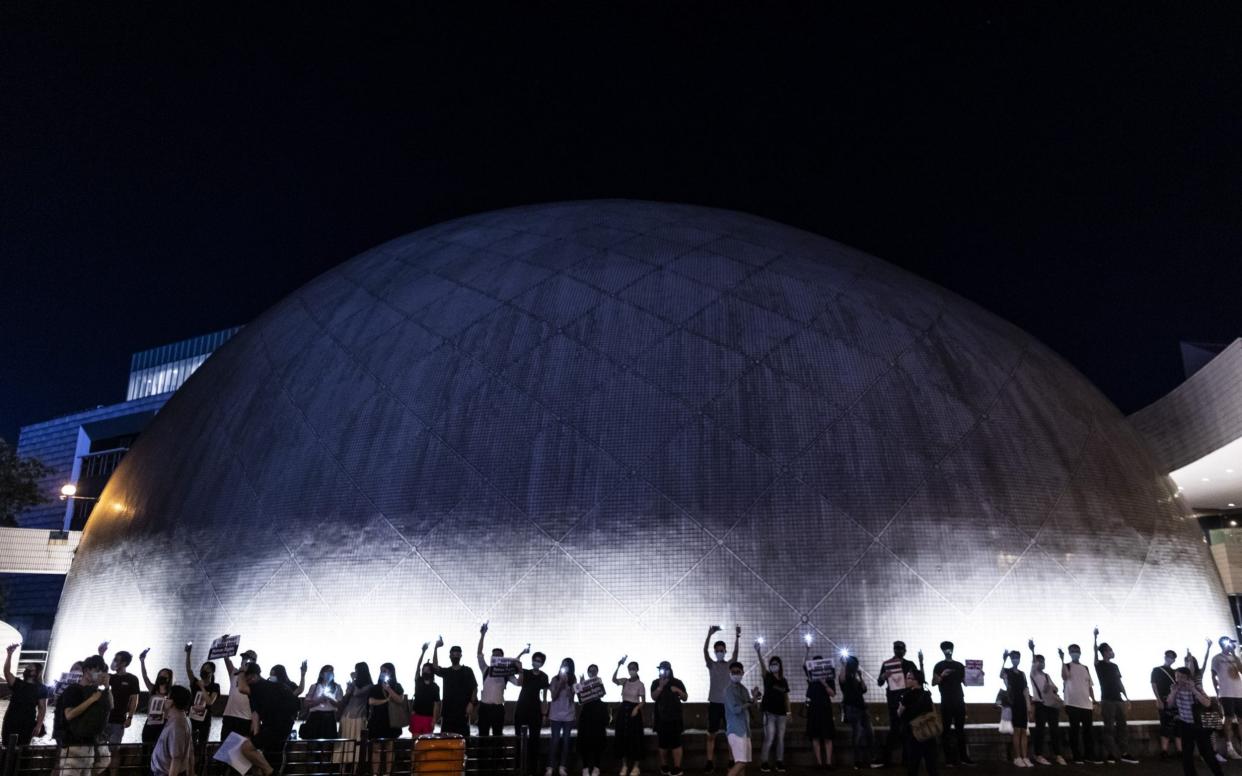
(893, 679)
(236, 717)
(738, 703)
(821, 688)
(629, 717)
(492, 694)
(157, 700)
(592, 721)
(775, 707)
(321, 702)
(668, 693)
(561, 717)
(949, 675)
(204, 691)
(718, 675)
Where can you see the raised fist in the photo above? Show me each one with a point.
(483, 628)
(713, 629)
(439, 641)
(11, 648)
(1030, 643)
(143, 653)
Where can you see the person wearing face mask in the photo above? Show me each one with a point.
(1048, 705)
(85, 707)
(492, 693)
(819, 725)
(668, 693)
(321, 703)
(355, 711)
(236, 718)
(775, 707)
(385, 694)
(1079, 704)
(203, 694)
(426, 699)
(273, 710)
(854, 711)
(27, 702)
(738, 704)
(1019, 704)
(1162, 679)
(278, 673)
(950, 675)
(592, 729)
(1188, 702)
(1227, 679)
(561, 717)
(158, 698)
(459, 689)
(629, 718)
(532, 706)
(892, 678)
(1114, 702)
(718, 676)
(125, 689)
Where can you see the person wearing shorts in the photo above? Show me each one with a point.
(1162, 680)
(668, 693)
(737, 703)
(718, 674)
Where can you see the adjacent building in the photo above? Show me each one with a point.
(84, 448)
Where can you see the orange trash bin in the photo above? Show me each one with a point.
(439, 754)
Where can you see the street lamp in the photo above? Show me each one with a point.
(69, 492)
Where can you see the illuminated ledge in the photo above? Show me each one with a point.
(1195, 432)
(37, 550)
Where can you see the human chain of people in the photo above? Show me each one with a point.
(96, 702)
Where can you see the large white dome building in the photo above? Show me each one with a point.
(605, 426)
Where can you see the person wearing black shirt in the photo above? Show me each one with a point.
(914, 703)
(459, 689)
(1113, 702)
(426, 700)
(592, 728)
(892, 679)
(775, 708)
(1019, 705)
(532, 704)
(819, 695)
(854, 710)
(204, 691)
(1162, 679)
(668, 693)
(950, 675)
(27, 702)
(273, 709)
(85, 707)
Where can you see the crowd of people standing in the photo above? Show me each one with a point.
(95, 710)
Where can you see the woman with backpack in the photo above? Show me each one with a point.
(916, 703)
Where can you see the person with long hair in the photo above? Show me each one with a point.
(355, 711)
(775, 708)
(629, 718)
(203, 692)
(592, 728)
(380, 729)
(819, 725)
(426, 698)
(158, 699)
(279, 674)
(915, 702)
(854, 710)
(561, 717)
(27, 701)
(322, 700)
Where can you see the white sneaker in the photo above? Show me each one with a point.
(1232, 753)
(562, 771)
(586, 772)
(634, 771)
(547, 772)
(1060, 760)
(1220, 758)
(1041, 760)
(1017, 761)
(595, 772)
(624, 770)
(1028, 762)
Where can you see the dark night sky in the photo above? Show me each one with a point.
(170, 171)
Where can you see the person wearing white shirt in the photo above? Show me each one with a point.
(492, 693)
(1079, 704)
(1227, 677)
(629, 733)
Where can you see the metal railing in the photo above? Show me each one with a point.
(485, 756)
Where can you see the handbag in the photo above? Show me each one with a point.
(398, 713)
(1006, 721)
(926, 726)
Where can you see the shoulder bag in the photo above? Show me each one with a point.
(926, 726)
